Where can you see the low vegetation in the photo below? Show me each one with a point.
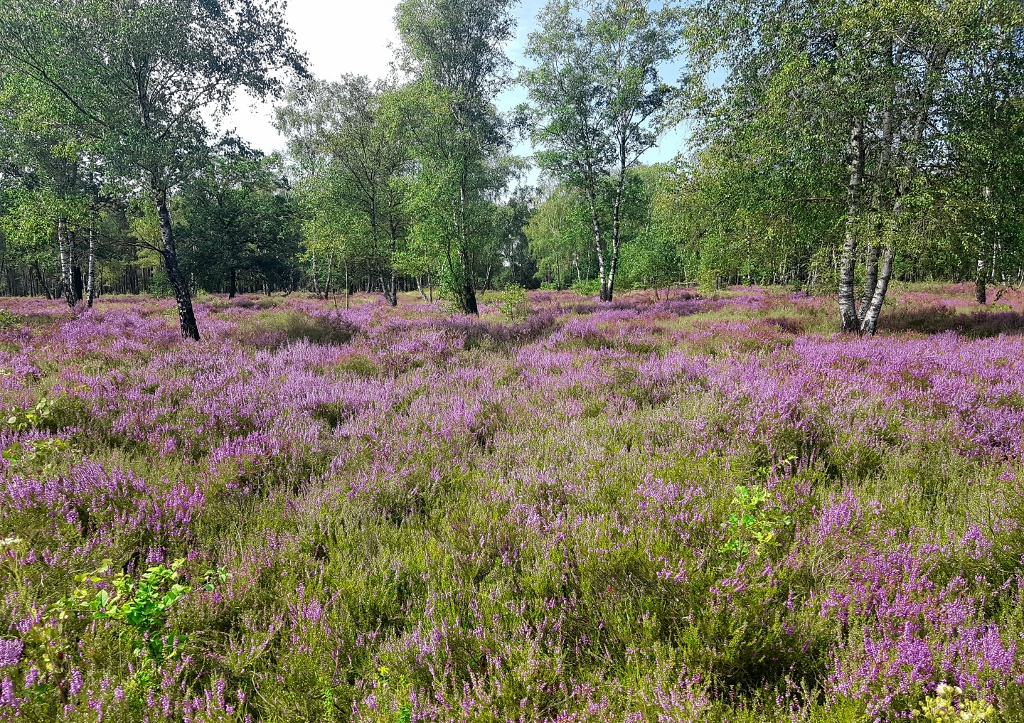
(697, 508)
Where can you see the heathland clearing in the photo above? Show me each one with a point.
(688, 509)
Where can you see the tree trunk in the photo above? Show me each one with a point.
(617, 223)
(468, 293)
(233, 283)
(847, 295)
(330, 268)
(596, 230)
(316, 283)
(77, 283)
(42, 281)
(186, 315)
(870, 276)
(65, 263)
(870, 323)
(880, 177)
(389, 287)
(869, 317)
(91, 277)
(983, 272)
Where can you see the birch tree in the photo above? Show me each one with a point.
(865, 86)
(349, 137)
(454, 52)
(599, 101)
(132, 77)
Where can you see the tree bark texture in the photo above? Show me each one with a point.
(468, 293)
(870, 323)
(620, 191)
(90, 292)
(64, 246)
(77, 283)
(186, 315)
(847, 278)
(596, 228)
(870, 275)
(42, 281)
(981, 283)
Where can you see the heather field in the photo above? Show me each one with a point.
(686, 509)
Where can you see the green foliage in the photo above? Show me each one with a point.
(359, 365)
(948, 705)
(514, 304)
(559, 236)
(773, 190)
(142, 606)
(753, 526)
(352, 142)
(598, 101)
(238, 222)
(587, 287)
(213, 578)
(41, 457)
(455, 51)
(274, 329)
(23, 420)
(8, 319)
(11, 551)
(398, 688)
(80, 69)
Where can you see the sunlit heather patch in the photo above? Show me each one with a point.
(381, 508)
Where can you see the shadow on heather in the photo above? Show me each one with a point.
(272, 331)
(939, 319)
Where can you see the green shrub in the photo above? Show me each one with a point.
(8, 319)
(515, 305)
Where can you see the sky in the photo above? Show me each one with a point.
(353, 36)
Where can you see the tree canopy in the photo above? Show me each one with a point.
(835, 147)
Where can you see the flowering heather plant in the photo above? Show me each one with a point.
(693, 509)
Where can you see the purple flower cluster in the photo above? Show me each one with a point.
(10, 653)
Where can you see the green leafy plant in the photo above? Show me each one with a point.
(141, 606)
(10, 555)
(42, 457)
(588, 287)
(514, 304)
(8, 319)
(212, 577)
(753, 526)
(23, 420)
(948, 705)
(401, 689)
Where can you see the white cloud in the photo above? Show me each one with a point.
(339, 36)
